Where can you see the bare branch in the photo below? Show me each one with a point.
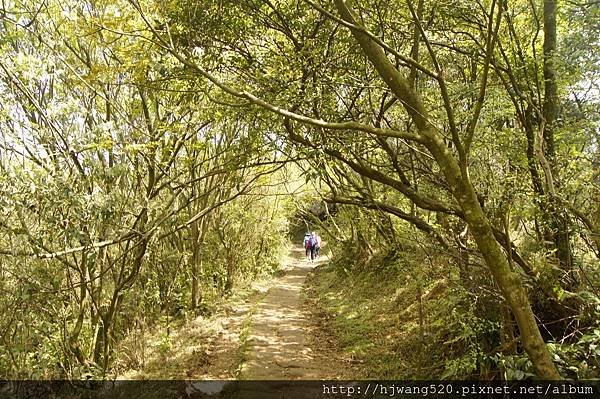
(186, 60)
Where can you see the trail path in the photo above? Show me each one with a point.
(271, 332)
(277, 346)
(274, 334)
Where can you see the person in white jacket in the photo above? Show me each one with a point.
(317, 245)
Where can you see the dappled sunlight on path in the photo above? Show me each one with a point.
(277, 344)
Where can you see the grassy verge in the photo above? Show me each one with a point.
(374, 317)
(245, 330)
(211, 346)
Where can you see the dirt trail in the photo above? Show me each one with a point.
(278, 347)
(271, 332)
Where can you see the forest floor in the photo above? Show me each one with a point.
(285, 339)
(272, 331)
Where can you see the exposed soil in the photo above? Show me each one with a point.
(287, 340)
(272, 332)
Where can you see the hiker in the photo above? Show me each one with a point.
(307, 245)
(313, 245)
(317, 245)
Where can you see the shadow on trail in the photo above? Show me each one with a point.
(277, 353)
(276, 348)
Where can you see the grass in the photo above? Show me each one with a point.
(245, 329)
(374, 317)
(190, 348)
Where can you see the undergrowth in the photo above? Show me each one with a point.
(374, 316)
(454, 331)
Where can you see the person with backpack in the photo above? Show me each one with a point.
(317, 245)
(313, 245)
(307, 245)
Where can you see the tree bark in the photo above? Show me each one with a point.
(558, 220)
(464, 193)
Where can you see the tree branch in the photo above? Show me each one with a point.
(351, 125)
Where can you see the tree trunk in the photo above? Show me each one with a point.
(195, 270)
(464, 193)
(508, 281)
(558, 219)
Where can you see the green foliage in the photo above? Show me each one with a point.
(467, 335)
(516, 367)
(134, 189)
(110, 163)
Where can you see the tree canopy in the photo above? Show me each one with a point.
(150, 148)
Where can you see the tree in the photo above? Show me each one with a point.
(452, 161)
